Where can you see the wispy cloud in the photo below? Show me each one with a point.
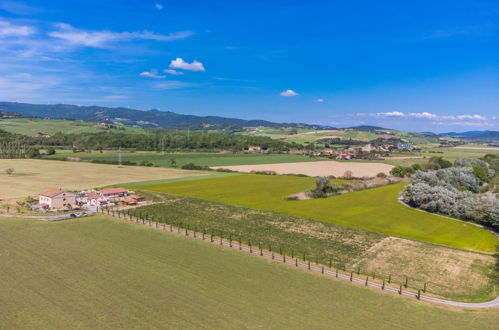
(158, 6)
(8, 29)
(179, 63)
(422, 115)
(288, 92)
(174, 84)
(320, 100)
(104, 38)
(152, 74)
(456, 32)
(173, 72)
(18, 8)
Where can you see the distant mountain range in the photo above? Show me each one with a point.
(474, 135)
(171, 120)
(132, 117)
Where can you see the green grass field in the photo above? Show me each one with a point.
(350, 249)
(374, 209)
(101, 273)
(30, 126)
(204, 159)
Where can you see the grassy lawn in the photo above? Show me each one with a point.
(350, 249)
(30, 126)
(375, 209)
(101, 273)
(204, 159)
(32, 176)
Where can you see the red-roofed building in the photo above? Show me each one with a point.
(114, 192)
(57, 199)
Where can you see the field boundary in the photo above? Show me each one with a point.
(402, 290)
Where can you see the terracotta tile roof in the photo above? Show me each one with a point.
(93, 196)
(52, 192)
(111, 191)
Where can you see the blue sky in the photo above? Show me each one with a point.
(418, 65)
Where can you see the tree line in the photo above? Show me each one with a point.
(154, 141)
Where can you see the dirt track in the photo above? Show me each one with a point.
(328, 168)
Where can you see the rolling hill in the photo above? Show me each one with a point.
(131, 117)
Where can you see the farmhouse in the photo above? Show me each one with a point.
(114, 192)
(57, 199)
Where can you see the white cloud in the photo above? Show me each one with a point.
(423, 115)
(402, 114)
(9, 30)
(173, 72)
(152, 74)
(179, 63)
(475, 117)
(289, 92)
(102, 39)
(320, 100)
(158, 6)
(391, 114)
(426, 115)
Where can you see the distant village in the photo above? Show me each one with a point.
(366, 151)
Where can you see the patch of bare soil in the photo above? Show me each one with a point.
(299, 196)
(322, 168)
(447, 271)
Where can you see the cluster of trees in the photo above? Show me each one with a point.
(434, 163)
(455, 191)
(323, 188)
(157, 140)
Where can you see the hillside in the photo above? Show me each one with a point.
(125, 116)
(31, 126)
(484, 136)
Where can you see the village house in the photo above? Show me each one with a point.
(346, 155)
(114, 192)
(132, 200)
(57, 199)
(96, 199)
(367, 148)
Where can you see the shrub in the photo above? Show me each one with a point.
(324, 188)
(441, 199)
(436, 163)
(146, 163)
(192, 166)
(463, 162)
(460, 177)
(402, 171)
(480, 172)
(348, 174)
